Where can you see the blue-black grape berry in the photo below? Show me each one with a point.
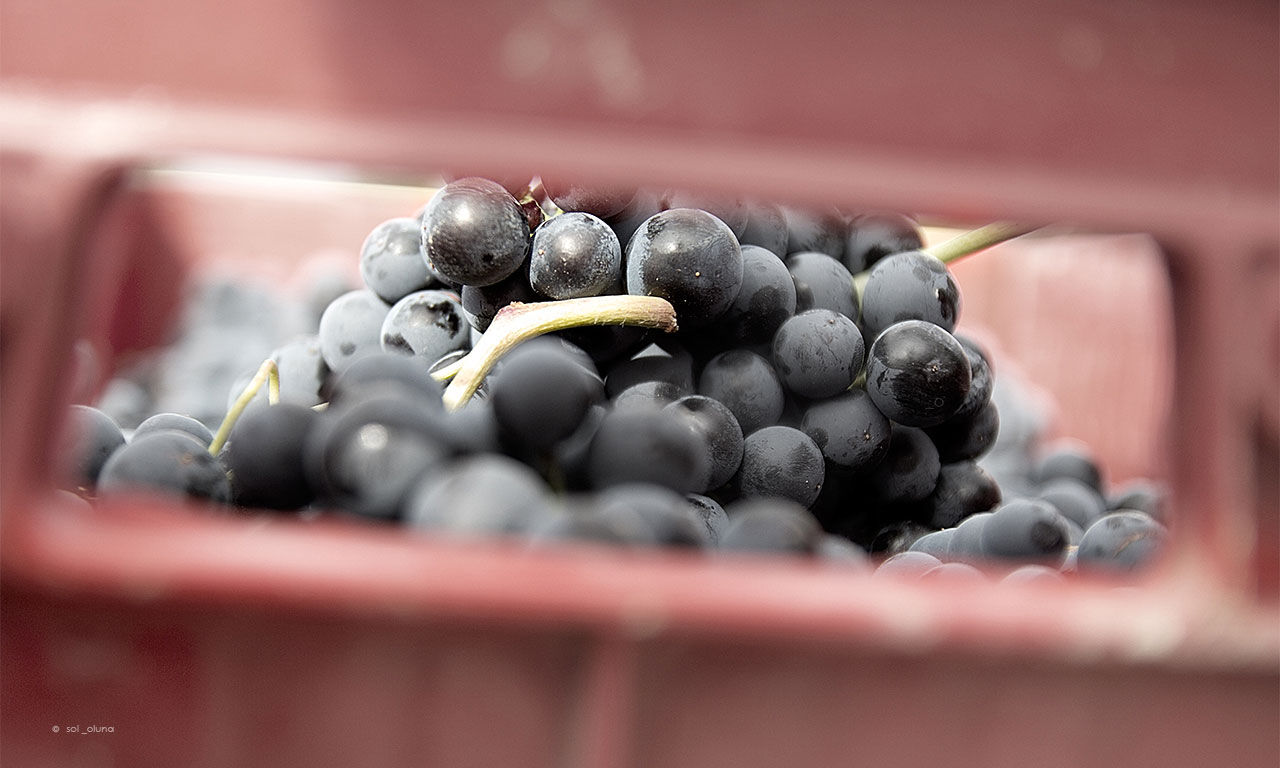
(747, 384)
(818, 353)
(1028, 530)
(764, 302)
(541, 394)
(351, 327)
(391, 262)
(648, 446)
(766, 227)
(850, 430)
(910, 286)
(917, 374)
(872, 236)
(575, 255)
(771, 525)
(167, 462)
(474, 232)
(483, 495)
(720, 429)
(267, 456)
(1119, 542)
(164, 421)
(427, 325)
(89, 438)
(822, 282)
(781, 462)
(689, 258)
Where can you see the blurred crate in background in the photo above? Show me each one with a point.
(202, 641)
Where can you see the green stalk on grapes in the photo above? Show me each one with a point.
(517, 323)
(269, 374)
(959, 247)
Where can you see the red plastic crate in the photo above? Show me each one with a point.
(204, 641)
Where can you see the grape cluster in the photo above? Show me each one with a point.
(795, 409)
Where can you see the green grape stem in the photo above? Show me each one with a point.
(960, 246)
(268, 373)
(519, 322)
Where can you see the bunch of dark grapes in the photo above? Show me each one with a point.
(794, 410)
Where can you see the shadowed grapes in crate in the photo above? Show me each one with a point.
(635, 369)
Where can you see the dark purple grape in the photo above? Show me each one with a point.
(963, 489)
(1142, 495)
(472, 429)
(1071, 459)
(771, 525)
(391, 261)
(872, 236)
(571, 456)
(780, 462)
(1120, 541)
(575, 255)
(541, 394)
(966, 539)
(1074, 500)
(351, 327)
(822, 283)
(818, 353)
(624, 224)
(170, 421)
(481, 304)
(747, 384)
(170, 463)
(766, 227)
(849, 429)
(427, 325)
(765, 300)
(720, 429)
(981, 379)
(303, 374)
(668, 516)
(365, 457)
(1025, 529)
(689, 258)
(482, 495)
(474, 232)
(917, 374)
(712, 514)
(910, 286)
(818, 231)
(910, 469)
(89, 438)
(962, 438)
(266, 456)
(648, 446)
(383, 370)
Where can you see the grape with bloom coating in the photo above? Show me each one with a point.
(689, 258)
(474, 232)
